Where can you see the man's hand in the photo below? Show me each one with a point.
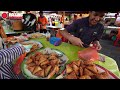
(97, 45)
(76, 41)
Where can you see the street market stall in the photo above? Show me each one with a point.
(71, 52)
(48, 57)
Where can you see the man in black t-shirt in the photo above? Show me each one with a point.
(29, 21)
(82, 32)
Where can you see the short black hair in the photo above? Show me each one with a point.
(99, 13)
(40, 12)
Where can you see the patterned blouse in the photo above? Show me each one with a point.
(7, 56)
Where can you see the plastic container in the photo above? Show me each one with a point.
(55, 41)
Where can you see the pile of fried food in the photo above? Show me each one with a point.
(43, 65)
(36, 35)
(12, 40)
(35, 46)
(81, 69)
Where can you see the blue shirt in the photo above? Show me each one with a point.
(80, 28)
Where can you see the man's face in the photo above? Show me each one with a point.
(95, 17)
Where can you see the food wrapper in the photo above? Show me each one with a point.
(89, 54)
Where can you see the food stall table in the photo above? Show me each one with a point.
(53, 29)
(9, 31)
(71, 52)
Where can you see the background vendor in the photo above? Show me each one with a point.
(85, 30)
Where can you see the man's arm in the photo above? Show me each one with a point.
(71, 38)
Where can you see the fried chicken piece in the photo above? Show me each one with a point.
(72, 75)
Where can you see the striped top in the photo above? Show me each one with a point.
(6, 58)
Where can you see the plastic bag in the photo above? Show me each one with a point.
(89, 54)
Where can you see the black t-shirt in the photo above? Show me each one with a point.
(29, 21)
(81, 29)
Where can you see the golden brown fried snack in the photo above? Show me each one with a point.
(52, 57)
(37, 58)
(93, 69)
(68, 69)
(57, 69)
(37, 68)
(72, 75)
(44, 66)
(87, 72)
(85, 77)
(103, 75)
(45, 62)
(31, 69)
(38, 53)
(42, 59)
(37, 63)
(54, 62)
(47, 70)
(52, 72)
(81, 71)
(77, 62)
(31, 64)
(29, 61)
(76, 69)
(82, 64)
(31, 57)
(40, 73)
(88, 62)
